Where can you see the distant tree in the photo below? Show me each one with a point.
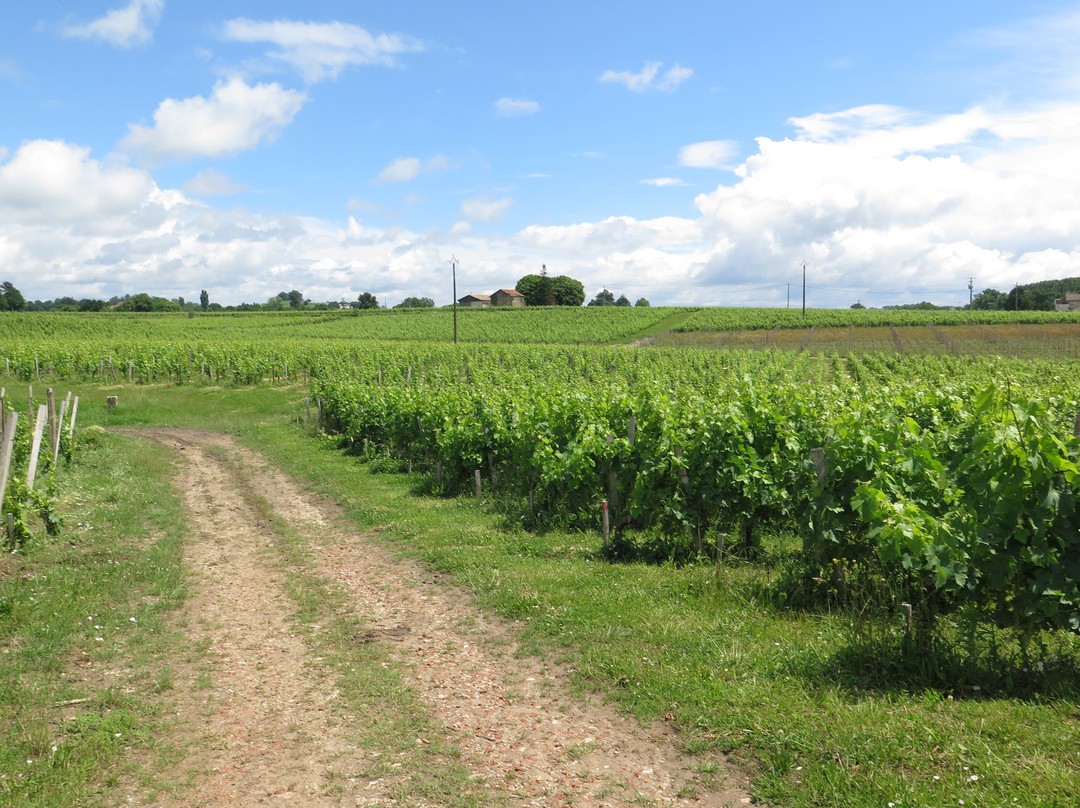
(367, 301)
(622, 301)
(989, 299)
(11, 299)
(89, 304)
(564, 290)
(204, 300)
(1019, 299)
(568, 292)
(296, 299)
(642, 303)
(603, 298)
(276, 303)
(857, 305)
(416, 303)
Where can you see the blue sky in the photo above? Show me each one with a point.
(690, 153)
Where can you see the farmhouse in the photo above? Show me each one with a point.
(503, 297)
(507, 297)
(1070, 302)
(476, 301)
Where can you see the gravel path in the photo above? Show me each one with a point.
(263, 718)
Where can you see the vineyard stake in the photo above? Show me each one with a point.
(479, 490)
(71, 423)
(59, 431)
(35, 446)
(50, 397)
(5, 450)
(606, 520)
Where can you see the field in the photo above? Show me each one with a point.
(847, 556)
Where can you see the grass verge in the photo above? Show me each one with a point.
(82, 630)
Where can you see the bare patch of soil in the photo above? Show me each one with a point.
(260, 711)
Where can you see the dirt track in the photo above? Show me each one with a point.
(265, 726)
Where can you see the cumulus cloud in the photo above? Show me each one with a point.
(709, 154)
(122, 27)
(322, 50)
(485, 209)
(236, 117)
(512, 107)
(54, 181)
(647, 77)
(213, 183)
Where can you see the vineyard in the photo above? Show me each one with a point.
(898, 521)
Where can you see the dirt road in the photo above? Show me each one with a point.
(264, 723)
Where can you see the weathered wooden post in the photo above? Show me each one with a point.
(479, 489)
(6, 448)
(35, 446)
(606, 521)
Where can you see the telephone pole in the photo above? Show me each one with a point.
(453, 268)
(804, 289)
(971, 291)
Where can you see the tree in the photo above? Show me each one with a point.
(603, 298)
(568, 292)
(296, 299)
(857, 305)
(89, 304)
(565, 291)
(988, 299)
(622, 301)
(11, 299)
(367, 301)
(204, 300)
(642, 303)
(415, 303)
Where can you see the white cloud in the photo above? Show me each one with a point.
(665, 182)
(53, 181)
(511, 107)
(709, 154)
(122, 27)
(485, 209)
(405, 169)
(402, 169)
(322, 50)
(213, 183)
(646, 79)
(236, 117)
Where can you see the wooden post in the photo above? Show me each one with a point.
(479, 490)
(307, 407)
(50, 398)
(606, 520)
(817, 454)
(6, 448)
(613, 481)
(71, 421)
(59, 431)
(410, 467)
(131, 371)
(35, 446)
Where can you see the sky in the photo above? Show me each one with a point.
(691, 153)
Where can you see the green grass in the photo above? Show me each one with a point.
(78, 607)
(780, 691)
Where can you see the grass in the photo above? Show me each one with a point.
(84, 630)
(783, 692)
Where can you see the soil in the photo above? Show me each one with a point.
(259, 723)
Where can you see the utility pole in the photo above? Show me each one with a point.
(453, 267)
(804, 289)
(789, 295)
(971, 291)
